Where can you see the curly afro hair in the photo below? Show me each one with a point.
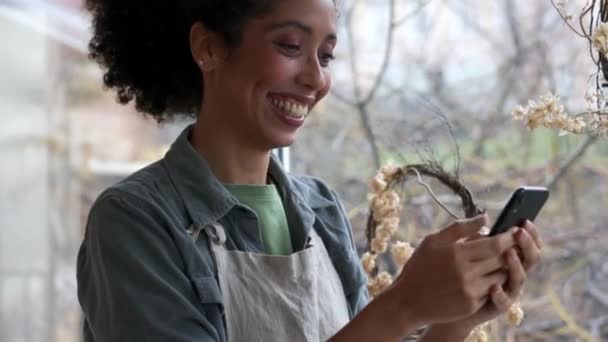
(144, 48)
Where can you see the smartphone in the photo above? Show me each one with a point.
(525, 204)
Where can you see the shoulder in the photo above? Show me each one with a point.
(144, 185)
(148, 191)
(143, 205)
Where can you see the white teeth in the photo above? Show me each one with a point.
(293, 109)
(300, 110)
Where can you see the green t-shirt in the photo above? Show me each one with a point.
(266, 202)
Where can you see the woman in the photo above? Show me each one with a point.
(215, 241)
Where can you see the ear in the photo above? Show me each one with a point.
(207, 47)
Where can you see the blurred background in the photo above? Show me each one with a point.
(413, 80)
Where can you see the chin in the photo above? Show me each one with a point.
(284, 144)
(283, 141)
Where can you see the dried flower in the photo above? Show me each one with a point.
(519, 113)
(515, 315)
(377, 203)
(391, 198)
(377, 285)
(600, 38)
(549, 112)
(386, 204)
(368, 260)
(384, 213)
(389, 170)
(391, 223)
(384, 232)
(478, 334)
(379, 244)
(401, 252)
(378, 184)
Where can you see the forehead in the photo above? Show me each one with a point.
(320, 15)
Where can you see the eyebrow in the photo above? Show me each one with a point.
(298, 25)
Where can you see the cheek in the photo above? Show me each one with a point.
(271, 68)
(325, 89)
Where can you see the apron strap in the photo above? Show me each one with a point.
(216, 240)
(216, 233)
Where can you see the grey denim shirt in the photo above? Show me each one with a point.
(142, 277)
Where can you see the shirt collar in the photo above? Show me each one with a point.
(207, 200)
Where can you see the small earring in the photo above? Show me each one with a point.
(206, 65)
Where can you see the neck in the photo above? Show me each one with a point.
(231, 159)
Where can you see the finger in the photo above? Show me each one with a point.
(490, 265)
(495, 278)
(489, 247)
(517, 274)
(464, 228)
(500, 299)
(531, 229)
(483, 232)
(529, 249)
(481, 288)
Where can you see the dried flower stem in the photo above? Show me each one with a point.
(430, 191)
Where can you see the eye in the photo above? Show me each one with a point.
(326, 58)
(289, 49)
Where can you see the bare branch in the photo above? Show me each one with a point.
(421, 6)
(387, 55)
(566, 21)
(430, 191)
(571, 160)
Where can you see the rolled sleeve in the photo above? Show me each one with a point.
(131, 282)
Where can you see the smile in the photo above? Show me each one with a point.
(290, 107)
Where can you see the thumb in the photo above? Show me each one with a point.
(465, 228)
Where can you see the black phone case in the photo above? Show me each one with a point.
(524, 204)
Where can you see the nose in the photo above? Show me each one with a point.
(312, 75)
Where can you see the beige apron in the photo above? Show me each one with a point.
(292, 298)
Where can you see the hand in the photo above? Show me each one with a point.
(530, 245)
(502, 297)
(449, 276)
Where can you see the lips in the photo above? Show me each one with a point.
(290, 106)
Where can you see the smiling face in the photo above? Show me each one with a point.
(269, 82)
